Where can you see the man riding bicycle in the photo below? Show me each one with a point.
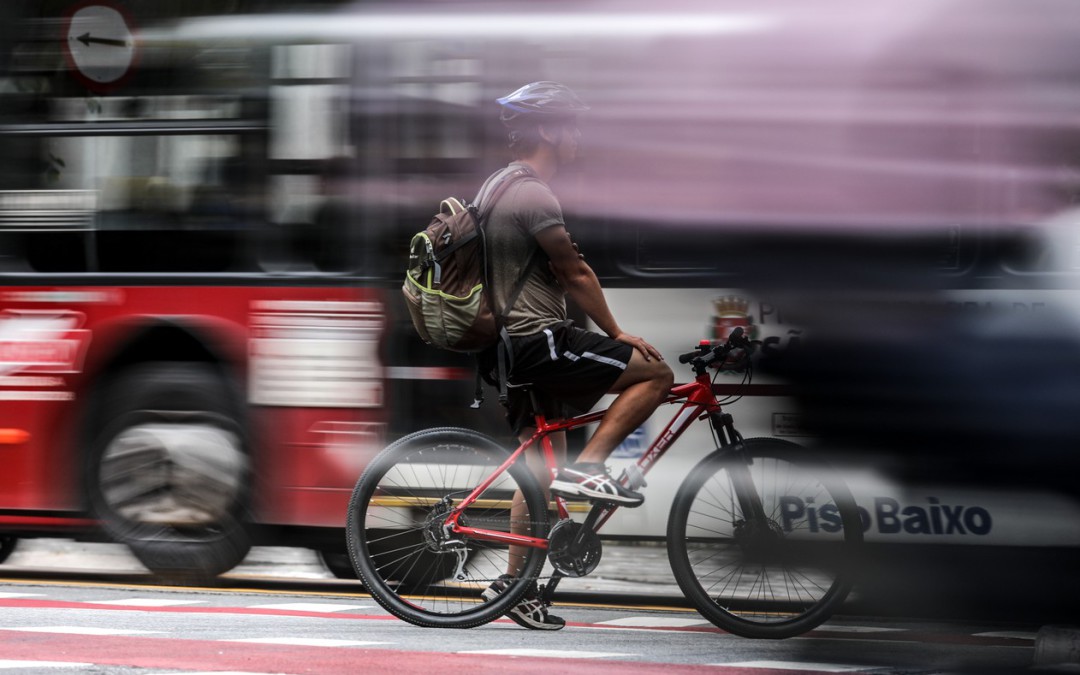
(568, 369)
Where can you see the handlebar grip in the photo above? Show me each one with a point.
(688, 357)
(736, 339)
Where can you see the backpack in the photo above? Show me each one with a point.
(446, 286)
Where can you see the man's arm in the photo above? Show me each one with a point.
(580, 283)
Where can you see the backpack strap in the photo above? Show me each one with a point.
(497, 183)
(453, 206)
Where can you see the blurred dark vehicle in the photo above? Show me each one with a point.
(983, 397)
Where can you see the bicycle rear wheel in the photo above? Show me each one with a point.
(408, 562)
(771, 579)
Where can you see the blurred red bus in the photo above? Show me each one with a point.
(202, 233)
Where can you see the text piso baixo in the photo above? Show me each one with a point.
(889, 517)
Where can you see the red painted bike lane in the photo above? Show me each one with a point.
(208, 655)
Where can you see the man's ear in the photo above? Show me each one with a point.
(549, 133)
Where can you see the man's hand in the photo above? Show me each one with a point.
(646, 349)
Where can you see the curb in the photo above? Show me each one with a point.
(1057, 645)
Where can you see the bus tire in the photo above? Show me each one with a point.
(337, 562)
(168, 469)
(7, 546)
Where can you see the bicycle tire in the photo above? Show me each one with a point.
(398, 499)
(779, 582)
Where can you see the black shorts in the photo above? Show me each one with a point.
(569, 369)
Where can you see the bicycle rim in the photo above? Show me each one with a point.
(771, 579)
(403, 555)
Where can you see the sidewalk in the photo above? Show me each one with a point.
(624, 568)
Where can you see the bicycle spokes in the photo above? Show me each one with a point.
(414, 524)
(776, 565)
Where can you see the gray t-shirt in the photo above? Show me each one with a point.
(525, 209)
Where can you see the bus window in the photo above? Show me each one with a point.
(312, 225)
(168, 165)
(45, 230)
(168, 203)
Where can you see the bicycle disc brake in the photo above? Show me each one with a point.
(573, 550)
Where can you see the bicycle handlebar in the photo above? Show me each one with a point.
(706, 354)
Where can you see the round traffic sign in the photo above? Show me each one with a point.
(99, 45)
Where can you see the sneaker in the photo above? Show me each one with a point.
(592, 481)
(530, 612)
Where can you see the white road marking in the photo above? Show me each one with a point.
(79, 630)
(796, 665)
(1015, 635)
(6, 596)
(310, 607)
(546, 653)
(4, 664)
(307, 642)
(654, 622)
(146, 602)
(858, 629)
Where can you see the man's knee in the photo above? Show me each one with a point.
(662, 376)
(655, 372)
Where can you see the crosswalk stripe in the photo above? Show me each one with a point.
(77, 630)
(306, 642)
(653, 622)
(6, 664)
(829, 628)
(146, 602)
(546, 653)
(310, 607)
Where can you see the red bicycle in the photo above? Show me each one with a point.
(760, 534)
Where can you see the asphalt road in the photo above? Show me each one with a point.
(89, 627)
(93, 626)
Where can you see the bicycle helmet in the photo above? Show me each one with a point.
(540, 100)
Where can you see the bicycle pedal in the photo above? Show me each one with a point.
(634, 477)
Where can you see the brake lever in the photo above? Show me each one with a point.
(702, 348)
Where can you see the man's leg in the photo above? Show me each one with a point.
(534, 458)
(642, 387)
(531, 612)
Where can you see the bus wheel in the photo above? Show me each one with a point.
(337, 561)
(168, 471)
(7, 546)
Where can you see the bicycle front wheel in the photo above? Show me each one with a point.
(776, 575)
(408, 560)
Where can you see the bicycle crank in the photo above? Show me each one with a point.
(573, 550)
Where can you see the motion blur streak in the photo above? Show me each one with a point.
(584, 25)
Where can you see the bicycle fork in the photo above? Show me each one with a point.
(742, 482)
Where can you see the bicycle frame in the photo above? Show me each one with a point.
(698, 402)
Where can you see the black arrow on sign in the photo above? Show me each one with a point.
(86, 39)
